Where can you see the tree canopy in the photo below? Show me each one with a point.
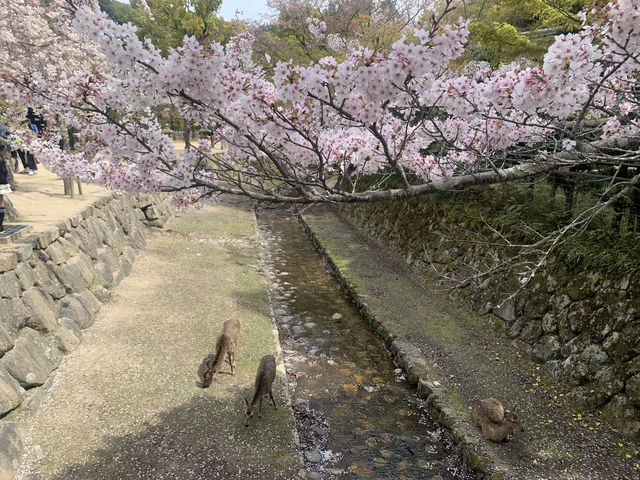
(503, 30)
(374, 23)
(316, 132)
(167, 22)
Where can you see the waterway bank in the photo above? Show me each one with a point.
(457, 358)
(357, 415)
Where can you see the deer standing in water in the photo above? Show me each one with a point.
(495, 424)
(264, 381)
(225, 345)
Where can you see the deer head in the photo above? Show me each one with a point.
(249, 411)
(512, 417)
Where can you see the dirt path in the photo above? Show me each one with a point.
(41, 202)
(127, 405)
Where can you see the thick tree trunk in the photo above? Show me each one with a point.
(68, 187)
(65, 145)
(452, 184)
(186, 135)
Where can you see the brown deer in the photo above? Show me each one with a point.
(225, 345)
(496, 426)
(264, 380)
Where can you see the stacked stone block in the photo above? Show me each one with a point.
(51, 287)
(583, 325)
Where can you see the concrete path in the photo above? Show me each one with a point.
(127, 403)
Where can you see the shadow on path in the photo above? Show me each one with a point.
(186, 442)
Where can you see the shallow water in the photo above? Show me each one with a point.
(356, 415)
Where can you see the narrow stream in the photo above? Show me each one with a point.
(356, 415)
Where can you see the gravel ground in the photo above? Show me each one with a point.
(127, 403)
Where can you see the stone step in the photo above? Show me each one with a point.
(14, 232)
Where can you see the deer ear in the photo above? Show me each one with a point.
(245, 401)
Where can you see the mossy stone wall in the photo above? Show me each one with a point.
(582, 324)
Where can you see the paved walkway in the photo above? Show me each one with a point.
(41, 201)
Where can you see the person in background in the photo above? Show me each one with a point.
(15, 157)
(5, 156)
(28, 161)
(31, 161)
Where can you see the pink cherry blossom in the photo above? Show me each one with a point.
(307, 133)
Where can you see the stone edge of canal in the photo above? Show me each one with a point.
(410, 359)
(267, 230)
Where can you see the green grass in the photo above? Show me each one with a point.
(229, 223)
(135, 384)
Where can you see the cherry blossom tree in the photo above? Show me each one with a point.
(39, 46)
(321, 132)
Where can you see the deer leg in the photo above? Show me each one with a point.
(260, 408)
(229, 355)
(274, 402)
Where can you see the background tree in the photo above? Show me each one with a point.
(172, 20)
(503, 30)
(123, 12)
(373, 23)
(168, 21)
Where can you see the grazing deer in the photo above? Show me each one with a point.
(264, 380)
(225, 345)
(495, 424)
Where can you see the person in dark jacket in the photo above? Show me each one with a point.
(27, 158)
(5, 156)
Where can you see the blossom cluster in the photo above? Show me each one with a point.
(406, 110)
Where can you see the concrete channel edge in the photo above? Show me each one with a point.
(428, 383)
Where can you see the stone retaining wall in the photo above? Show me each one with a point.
(583, 325)
(52, 284)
